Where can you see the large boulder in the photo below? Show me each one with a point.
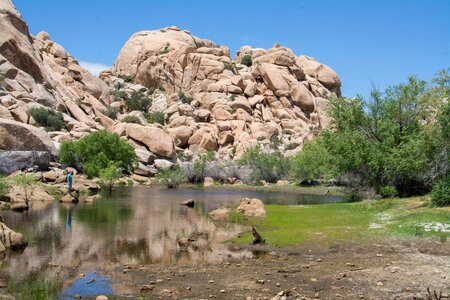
(10, 239)
(11, 161)
(22, 137)
(321, 72)
(252, 207)
(157, 141)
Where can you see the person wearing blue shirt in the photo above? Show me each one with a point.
(69, 181)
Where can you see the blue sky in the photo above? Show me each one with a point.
(380, 41)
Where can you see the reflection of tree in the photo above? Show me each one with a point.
(102, 215)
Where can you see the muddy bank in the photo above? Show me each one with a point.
(382, 269)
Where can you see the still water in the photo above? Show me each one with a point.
(133, 225)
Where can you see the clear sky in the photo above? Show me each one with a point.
(364, 41)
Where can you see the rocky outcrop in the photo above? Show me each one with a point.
(205, 99)
(11, 161)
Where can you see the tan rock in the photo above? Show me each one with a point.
(181, 135)
(208, 182)
(204, 138)
(220, 215)
(18, 136)
(157, 141)
(252, 207)
(11, 239)
(321, 72)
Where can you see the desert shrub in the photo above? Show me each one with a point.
(127, 78)
(197, 174)
(138, 100)
(171, 178)
(311, 163)
(119, 94)
(50, 119)
(388, 191)
(4, 187)
(95, 152)
(270, 167)
(131, 119)
(229, 66)
(440, 194)
(111, 112)
(155, 117)
(247, 60)
(184, 98)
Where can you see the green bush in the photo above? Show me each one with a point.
(119, 94)
(270, 167)
(199, 168)
(440, 194)
(388, 191)
(95, 152)
(36, 288)
(138, 100)
(50, 119)
(184, 98)
(155, 117)
(131, 119)
(230, 66)
(313, 162)
(111, 112)
(171, 178)
(127, 78)
(110, 174)
(247, 60)
(4, 187)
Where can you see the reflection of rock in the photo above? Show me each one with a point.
(10, 239)
(252, 207)
(20, 206)
(220, 214)
(92, 198)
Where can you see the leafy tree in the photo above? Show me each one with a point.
(171, 178)
(265, 166)
(50, 119)
(311, 163)
(398, 139)
(95, 152)
(440, 195)
(110, 173)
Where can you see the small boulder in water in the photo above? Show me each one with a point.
(188, 203)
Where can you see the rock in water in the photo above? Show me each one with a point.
(188, 203)
(10, 238)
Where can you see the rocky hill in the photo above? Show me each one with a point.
(205, 99)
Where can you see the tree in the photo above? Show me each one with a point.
(95, 152)
(110, 173)
(265, 166)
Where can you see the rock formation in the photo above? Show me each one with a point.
(208, 100)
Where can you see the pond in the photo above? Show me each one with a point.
(133, 225)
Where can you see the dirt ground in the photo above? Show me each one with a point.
(387, 269)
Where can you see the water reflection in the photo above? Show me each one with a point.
(139, 225)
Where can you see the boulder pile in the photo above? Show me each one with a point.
(206, 99)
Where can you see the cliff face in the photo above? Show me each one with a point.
(209, 100)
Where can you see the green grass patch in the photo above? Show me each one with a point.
(36, 288)
(326, 223)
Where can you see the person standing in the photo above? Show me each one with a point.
(69, 182)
